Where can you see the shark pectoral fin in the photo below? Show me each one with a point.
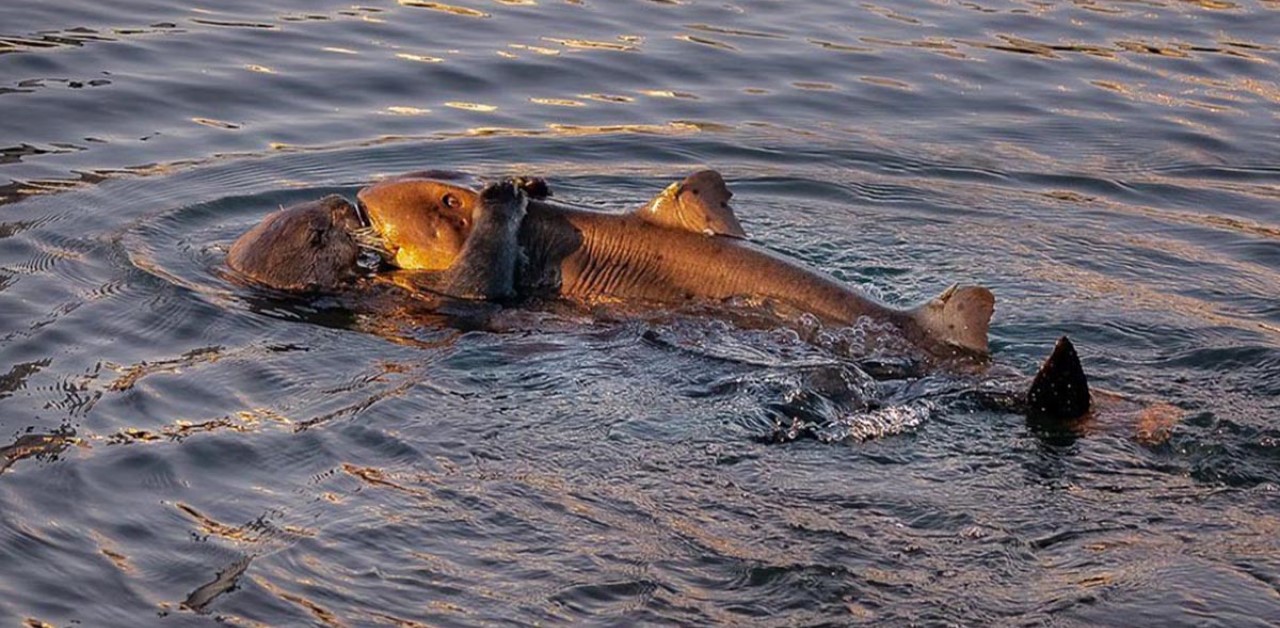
(959, 317)
(700, 204)
(1059, 393)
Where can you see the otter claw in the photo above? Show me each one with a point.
(502, 193)
(535, 187)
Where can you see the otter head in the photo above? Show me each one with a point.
(422, 218)
(309, 246)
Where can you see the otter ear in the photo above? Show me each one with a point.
(700, 203)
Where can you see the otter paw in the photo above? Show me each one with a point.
(503, 200)
(501, 193)
(535, 187)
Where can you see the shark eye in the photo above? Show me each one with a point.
(451, 201)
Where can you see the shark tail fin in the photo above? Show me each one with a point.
(1060, 391)
(959, 317)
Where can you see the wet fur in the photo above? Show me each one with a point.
(486, 266)
(305, 247)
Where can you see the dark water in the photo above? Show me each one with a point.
(180, 450)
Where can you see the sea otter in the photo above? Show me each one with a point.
(310, 246)
(316, 247)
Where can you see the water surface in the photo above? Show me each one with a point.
(176, 448)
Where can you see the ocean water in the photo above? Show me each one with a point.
(180, 449)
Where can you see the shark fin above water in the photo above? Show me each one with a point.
(1059, 394)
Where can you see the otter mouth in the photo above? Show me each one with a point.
(362, 214)
(375, 252)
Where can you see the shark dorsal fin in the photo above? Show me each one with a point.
(700, 204)
(1060, 392)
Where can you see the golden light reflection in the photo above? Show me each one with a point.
(471, 106)
(557, 102)
(407, 111)
(569, 130)
(217, 124)
(323, 615)
(419, 58)
(665, 93)
(118, 559)
(830, 45)
(360, 405)
(244, 421)
(497, 131)
(376, 477)
(133, 374)
(40, 446)
(589, 44)
(209, 526)
(1157, 98)
(891, 14)
(614, 98)
(886, 82)
(256, 531)
(435, 605)
(706, 41)
(1151, 48)
(707, 28)
(445, 8)
(232, 23)
(813, 86)
(551, 52)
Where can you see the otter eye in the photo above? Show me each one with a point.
(451, 201)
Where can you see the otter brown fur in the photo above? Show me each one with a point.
(486, 266)
(315, 247)
(305, 247)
